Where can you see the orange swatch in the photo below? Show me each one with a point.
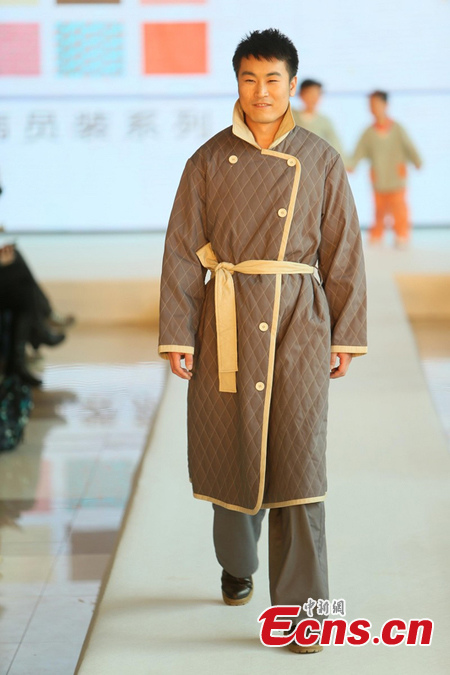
(173, 2)
(175, 48)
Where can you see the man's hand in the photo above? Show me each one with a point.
(341, 369)
(175, 364)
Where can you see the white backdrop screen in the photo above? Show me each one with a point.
(101, 103)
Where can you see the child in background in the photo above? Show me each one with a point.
(310, 94)
(389, 149)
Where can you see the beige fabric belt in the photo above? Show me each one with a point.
(225, 304)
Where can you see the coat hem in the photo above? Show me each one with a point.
(294, 502)
(252, 512)
(230, 507)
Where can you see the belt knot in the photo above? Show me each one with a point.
(225, 304)
(226, 266)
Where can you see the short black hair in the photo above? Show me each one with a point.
(306, 84)
(268, 44)
(378, 93)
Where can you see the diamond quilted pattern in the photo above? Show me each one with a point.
(235, 206)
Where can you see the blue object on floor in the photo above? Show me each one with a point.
(15, 407)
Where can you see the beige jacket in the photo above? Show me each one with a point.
(389, 154)
(322, 126)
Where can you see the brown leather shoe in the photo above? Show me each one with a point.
(302, 649)
(236, 591)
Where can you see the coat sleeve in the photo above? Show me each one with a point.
(183, 277)
(341, 264)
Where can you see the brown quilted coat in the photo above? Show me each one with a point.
(265, 445)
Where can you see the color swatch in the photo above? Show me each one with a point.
(173, 2)
(17, 3)
(175, 48)
(19, 49)
(87, 2)
(90, 49)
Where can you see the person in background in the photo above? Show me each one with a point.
(33, 320)
(389, 150)
(311, 94)
(30, 319)
(44, 310)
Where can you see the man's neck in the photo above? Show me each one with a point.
(264, 133)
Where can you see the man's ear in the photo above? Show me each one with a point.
(293, 86)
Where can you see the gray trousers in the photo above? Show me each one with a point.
(298, 567)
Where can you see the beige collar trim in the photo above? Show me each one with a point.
(241, 130)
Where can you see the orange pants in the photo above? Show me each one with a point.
(391, 205)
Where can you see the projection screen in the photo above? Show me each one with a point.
(101, 103)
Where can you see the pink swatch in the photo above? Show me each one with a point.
(19, 49)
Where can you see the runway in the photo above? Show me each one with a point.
(387, 523)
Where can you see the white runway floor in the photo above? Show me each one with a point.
(388, 510)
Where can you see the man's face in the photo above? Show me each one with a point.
(377, 106)
(311, 96)
(264, 89)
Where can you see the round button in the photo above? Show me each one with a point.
(291, 161)
(232, 159)
(263, 326)
(260, 386)
(282, 213)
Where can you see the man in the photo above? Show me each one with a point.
(310, 119)
(260, 205)
(388, 148)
